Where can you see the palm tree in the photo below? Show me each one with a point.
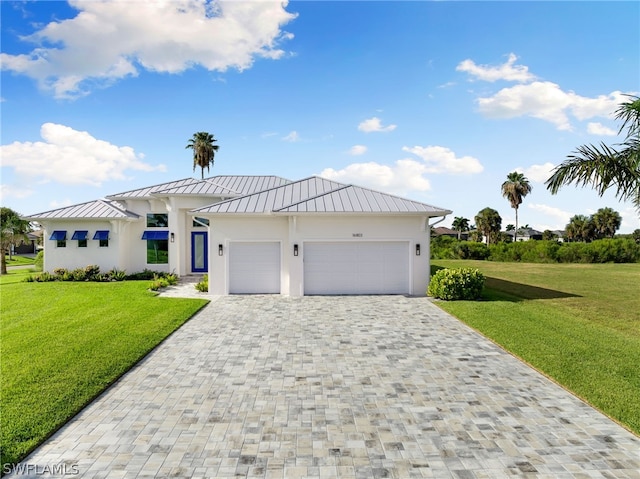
(204, 150)
(460, 224)
(604, 167)
(489, 223)
(515, 189)
(606, 222)
(580, 228)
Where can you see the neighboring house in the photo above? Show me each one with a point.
(444, 231)
(28, 245)
(253, 234)
(526, 234)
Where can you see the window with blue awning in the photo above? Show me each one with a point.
(101, 235)
(155, 235)
(80, 235)
(59, 235)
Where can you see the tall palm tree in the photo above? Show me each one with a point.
(460, 224)
(514, 189)
(204, 150)
(604, 167)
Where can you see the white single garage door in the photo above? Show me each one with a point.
(359, 267)
(254, 268)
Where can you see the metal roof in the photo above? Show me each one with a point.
(98, 209)
(319, 195)
(147, 191)
(225, 186)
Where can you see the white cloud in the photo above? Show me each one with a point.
(547, 101)
(357, 150)
(69, 156)
(507, 71)
(112, 39)
(400, 178)
(537, 173)
(13, 191)
(559, 218)
(374, 124)
(292, 137)
(595, 128)
(438, 159)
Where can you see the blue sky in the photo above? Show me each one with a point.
(434, 101)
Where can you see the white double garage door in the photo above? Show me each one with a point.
(350, 267)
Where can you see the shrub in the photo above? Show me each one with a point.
(203, 286)
(455, 284)
(78, 274)
(470, 250)
(39, 260)
(115, 275)
(92, 272)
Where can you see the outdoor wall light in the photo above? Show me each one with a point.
(173, 237)
(417, 249)
(220, 250)
(295, 250)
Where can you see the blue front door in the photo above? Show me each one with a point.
(199, 256)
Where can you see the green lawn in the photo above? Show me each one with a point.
(19, 260)
(577, 323)
(64, 343)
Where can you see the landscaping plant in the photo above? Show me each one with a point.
(456, 284)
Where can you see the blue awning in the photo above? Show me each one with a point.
(155, 235)
(101, 235)
(59, 235)
(80, 235)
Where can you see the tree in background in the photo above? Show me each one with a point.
(514, 189)
(603, 167)
(460, 224)
(489, 223)
(204, 150)
(12, 229)
(580, 228)
(606, 222)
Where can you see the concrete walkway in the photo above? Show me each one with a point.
(321, 387)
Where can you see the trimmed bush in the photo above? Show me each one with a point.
(456, 284)
(203, 286)
(39, 260)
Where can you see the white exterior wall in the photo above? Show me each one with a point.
(72, 256)
(290, 230)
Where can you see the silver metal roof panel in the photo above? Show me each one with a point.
(98, 209)
(149, 190)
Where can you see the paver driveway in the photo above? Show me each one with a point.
(366, 387)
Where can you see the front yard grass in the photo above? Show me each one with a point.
(19, 260)
(577, 323)
(64, 343)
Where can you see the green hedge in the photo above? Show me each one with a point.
(456, 284)
(618, 250)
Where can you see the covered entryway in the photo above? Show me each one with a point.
(356, 267)
(254, 268)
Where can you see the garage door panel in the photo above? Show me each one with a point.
(356, 267)
(254, 268)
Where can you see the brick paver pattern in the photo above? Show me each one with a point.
(321, 387)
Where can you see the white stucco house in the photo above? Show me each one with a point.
(252, 234)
